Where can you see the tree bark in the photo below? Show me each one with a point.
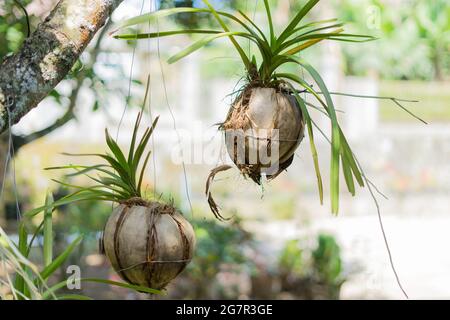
(44, 59)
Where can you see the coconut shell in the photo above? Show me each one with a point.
(250, 136)
(148, 245)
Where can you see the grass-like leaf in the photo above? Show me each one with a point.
(55, 264)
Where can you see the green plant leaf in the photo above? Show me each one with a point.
(347, 173)
(115, 149)
(123, 285)
(143, 144)
(50, 269)
(49, 293)
(48, 230)
(141, 177)
(164, 34)
(335, 136)
(269, 19)
(335, 145)
(241, 52)
(19, 282)
(203, 42)
(348, 153)
(312, 144)
(298, 17)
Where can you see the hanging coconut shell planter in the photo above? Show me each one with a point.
(148, 242)
(268, 118)
(262, 122)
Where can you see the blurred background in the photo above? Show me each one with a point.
(282, 244)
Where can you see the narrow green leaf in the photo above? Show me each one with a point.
(50, 269)
(19, 282)
(51, 291)
(312, 144)
(203, 42)
(294, 22)
(164, 34)
(142, 144)
(115, 149)
(123, 285)
(269, 19)
(335, 137)
(48, 230)
(347, 173)
(241, 52)
(141, 177)
(351, 160)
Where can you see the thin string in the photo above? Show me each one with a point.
(152, 7)
(254, 16)
(5, 169)
(10, 157)
(130, 80)
(153, 261)
(383, 232)
(186, 184)
(129, 86)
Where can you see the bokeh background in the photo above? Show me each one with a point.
(282, 244)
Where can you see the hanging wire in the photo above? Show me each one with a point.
(152, 7)
(186, 183)
(130, 80)
(10, 157)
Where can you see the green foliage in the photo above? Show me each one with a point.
(414, 38)
(291, 259)
(310, 273)
(283, 207)
(327, 260)
(216, 244)
(219, 248)
(13, 27)
(119, 180)
(30, 281)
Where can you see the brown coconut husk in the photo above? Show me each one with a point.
(148, 245)
(238, 118)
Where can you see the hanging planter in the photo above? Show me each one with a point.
(262, 120)
(148, 242)
(269, 113)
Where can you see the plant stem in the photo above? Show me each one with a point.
(48, 231)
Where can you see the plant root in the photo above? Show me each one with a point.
(212, 203)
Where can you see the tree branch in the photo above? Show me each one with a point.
(48, 54)
(19, 140)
